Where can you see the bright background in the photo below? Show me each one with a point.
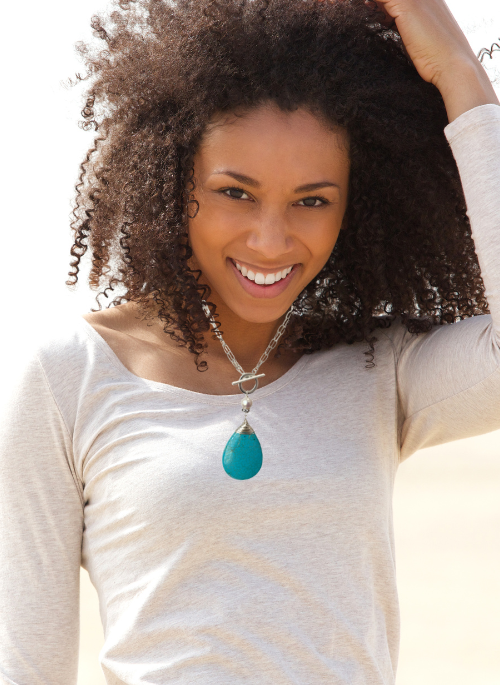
(447, 500)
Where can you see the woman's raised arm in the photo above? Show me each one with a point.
(449, 379)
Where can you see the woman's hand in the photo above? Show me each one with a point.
(440, 52)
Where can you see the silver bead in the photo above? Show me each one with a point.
(246, 403)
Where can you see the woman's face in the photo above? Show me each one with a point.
(272, 191)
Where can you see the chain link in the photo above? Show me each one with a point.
(272, 345)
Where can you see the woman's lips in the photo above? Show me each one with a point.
(266, 291)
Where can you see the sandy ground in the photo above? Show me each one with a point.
(447, 520)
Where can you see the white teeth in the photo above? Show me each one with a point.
(260, 278)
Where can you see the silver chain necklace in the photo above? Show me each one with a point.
(272, 345)
(242, 457)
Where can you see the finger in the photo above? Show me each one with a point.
(383, 17)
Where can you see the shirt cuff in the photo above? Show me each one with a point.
(473, 118)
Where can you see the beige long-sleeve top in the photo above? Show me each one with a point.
(286, 578)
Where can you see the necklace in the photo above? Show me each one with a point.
(242, 456)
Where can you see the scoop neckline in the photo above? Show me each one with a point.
(268, 389)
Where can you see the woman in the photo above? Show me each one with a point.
(287, 173)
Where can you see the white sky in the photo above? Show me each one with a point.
(42, 145)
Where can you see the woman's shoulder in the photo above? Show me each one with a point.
(380, 352)
(64, 344)
(46, 364)
(57, 352)
(405, 339)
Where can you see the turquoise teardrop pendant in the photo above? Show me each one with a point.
(242, 457)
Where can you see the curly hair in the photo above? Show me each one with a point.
(164, 68)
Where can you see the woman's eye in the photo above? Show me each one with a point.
(312, 202)
(236, 193)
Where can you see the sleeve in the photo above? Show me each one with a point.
(449, 378)
(41, 524)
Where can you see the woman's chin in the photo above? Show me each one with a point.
(260, 311)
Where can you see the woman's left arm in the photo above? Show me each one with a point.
(441, 53)
(449, 379)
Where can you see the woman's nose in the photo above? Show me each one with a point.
(270, 236)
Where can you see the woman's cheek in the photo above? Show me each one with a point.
(320, 238)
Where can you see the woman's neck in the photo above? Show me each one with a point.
(246, 340)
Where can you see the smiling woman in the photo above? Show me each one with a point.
(317, 177)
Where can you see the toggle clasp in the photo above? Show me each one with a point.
(248, 377)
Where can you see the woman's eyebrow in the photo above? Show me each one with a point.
(238, 177)
(315, 186)
(247, 180)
